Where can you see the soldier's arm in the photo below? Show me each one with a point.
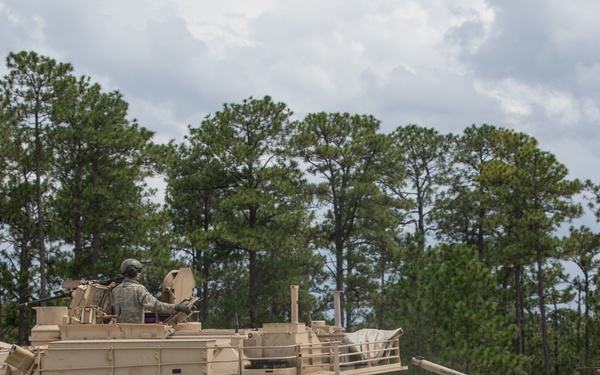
(154, 305)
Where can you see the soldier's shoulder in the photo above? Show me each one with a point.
(131, 284)
(137, 285)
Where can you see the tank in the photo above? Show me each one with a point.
(83, 339)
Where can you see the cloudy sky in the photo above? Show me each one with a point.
(532, 66)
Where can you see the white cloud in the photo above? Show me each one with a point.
(222, 25)
(533, 65)
(522, 100)
(513, 96)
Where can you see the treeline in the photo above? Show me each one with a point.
(458, 239)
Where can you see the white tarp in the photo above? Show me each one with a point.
(367, 342)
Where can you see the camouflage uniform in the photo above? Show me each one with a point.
(129, 299)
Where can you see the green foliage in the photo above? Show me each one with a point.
(465, 313)
(425, 155)
(235, 197)
(465, 212)
(27, 94)
(101, 162)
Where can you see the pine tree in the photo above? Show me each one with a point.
(101, 203)
(347, 158)
(27, 94)
(249, 199)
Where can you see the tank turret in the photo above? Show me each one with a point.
(83, 338)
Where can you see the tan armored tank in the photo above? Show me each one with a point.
(83, 339)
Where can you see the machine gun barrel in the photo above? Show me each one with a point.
(59, 295)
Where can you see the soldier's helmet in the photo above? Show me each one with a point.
(130, 267)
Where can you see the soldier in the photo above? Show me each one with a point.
(129, 299)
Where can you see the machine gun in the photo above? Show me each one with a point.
(69, 286)
(89, 299)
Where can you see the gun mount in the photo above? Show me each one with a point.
(83, 338)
